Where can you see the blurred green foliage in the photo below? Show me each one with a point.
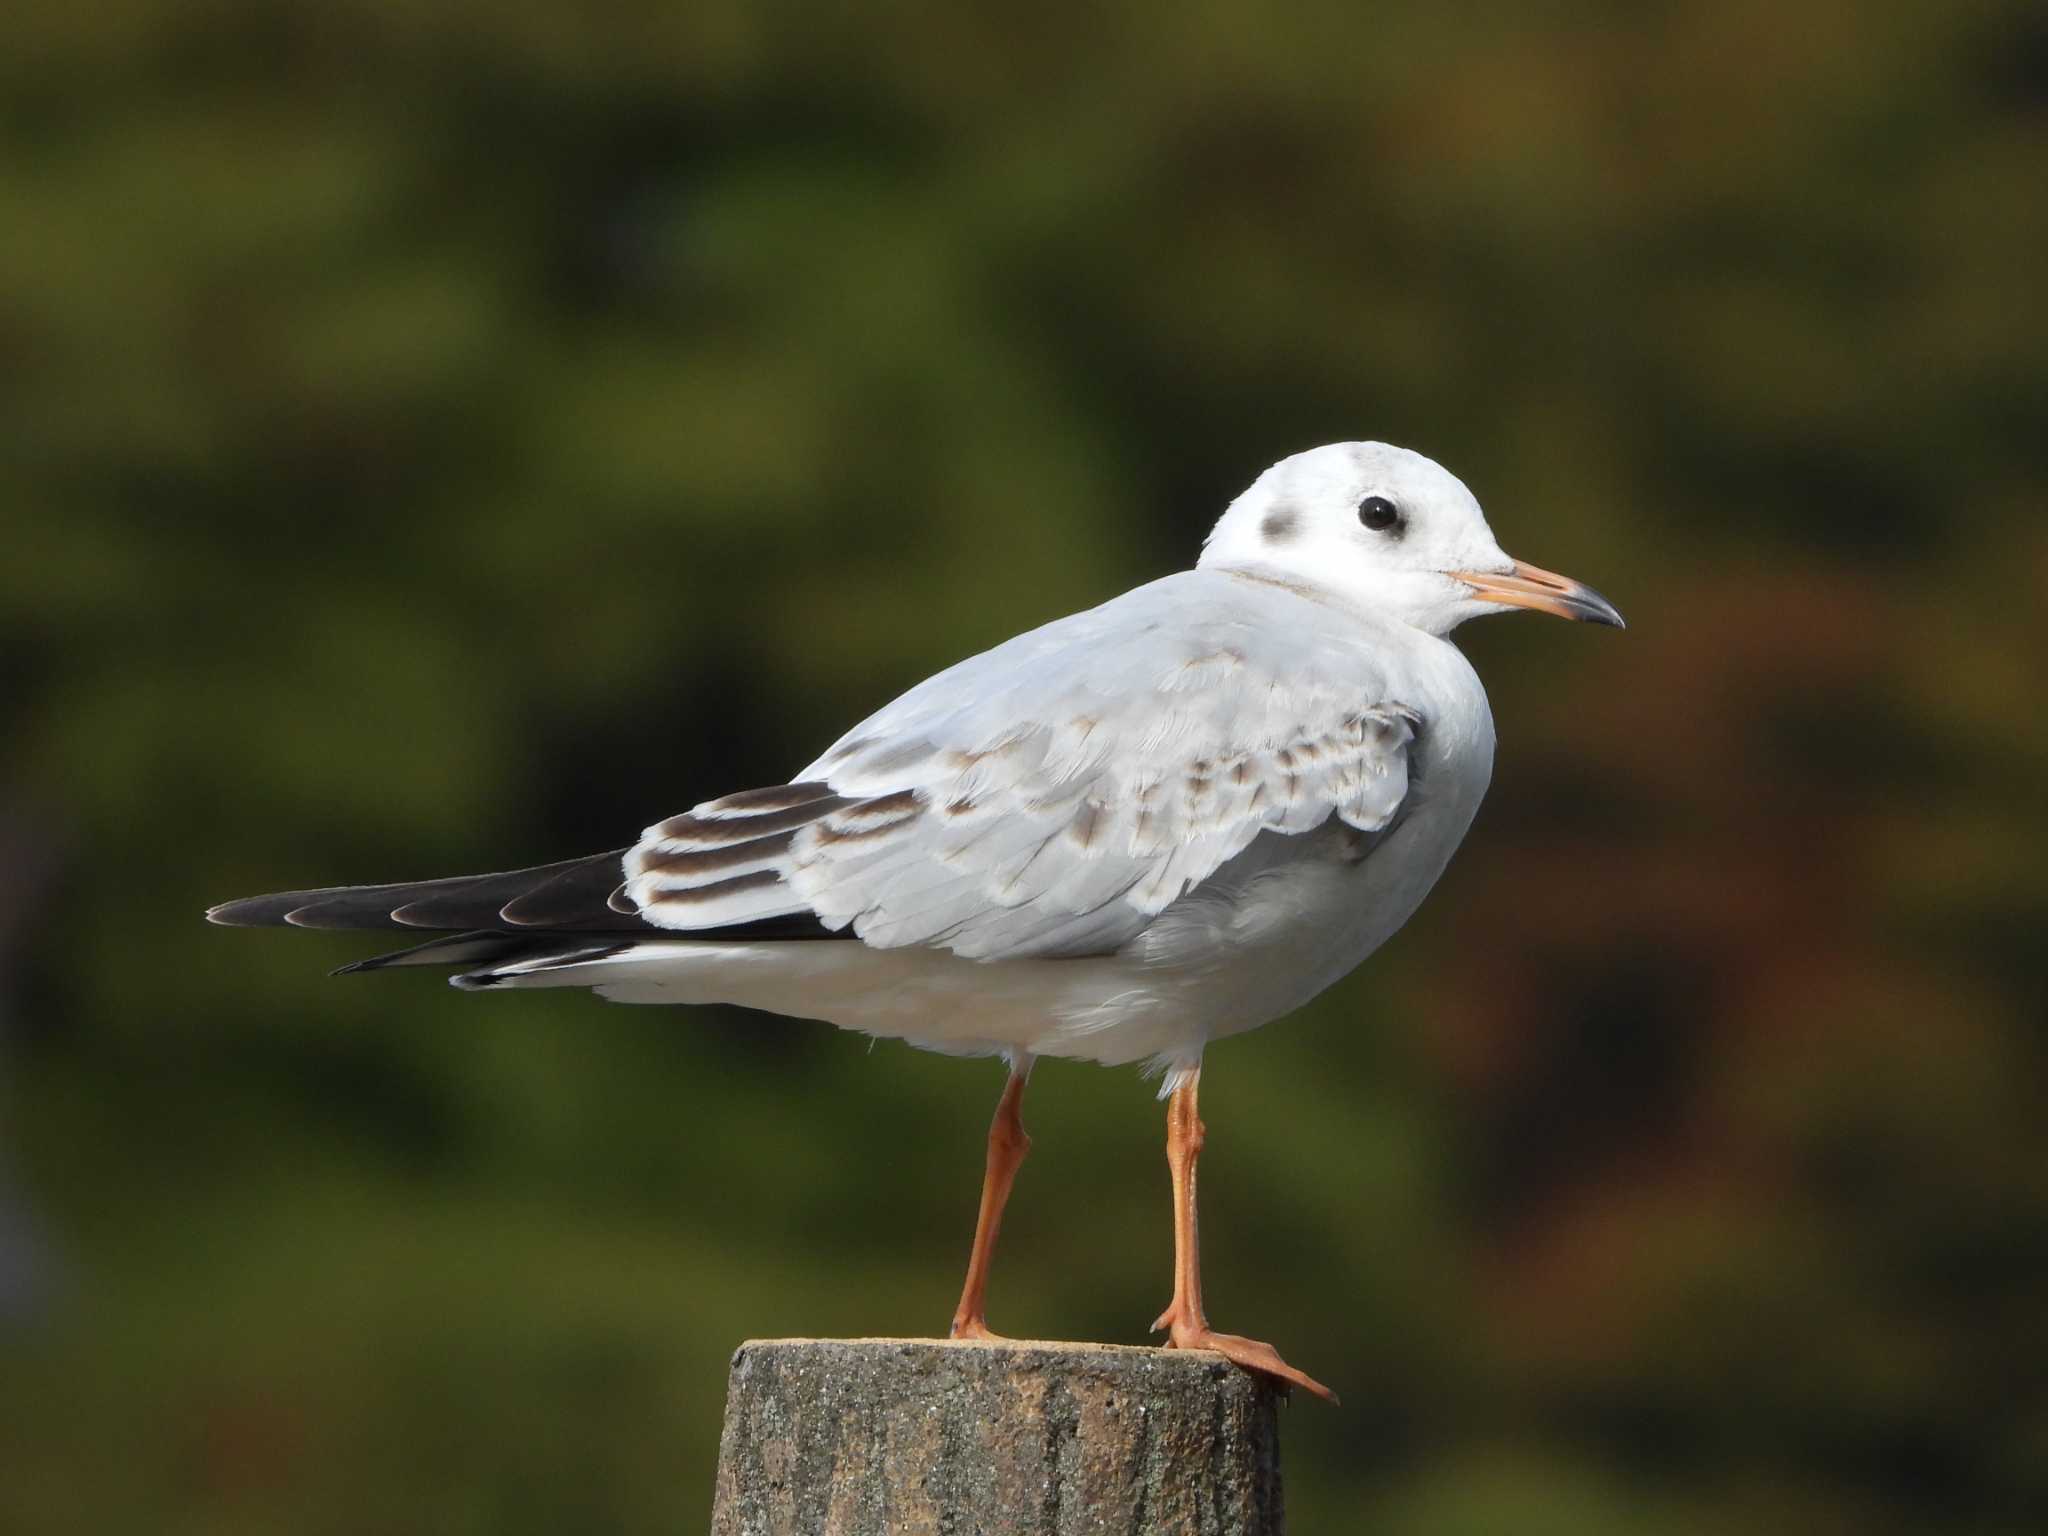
(449, 436)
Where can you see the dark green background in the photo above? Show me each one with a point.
(438, 438)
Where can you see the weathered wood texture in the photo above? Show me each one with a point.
(862, 1437)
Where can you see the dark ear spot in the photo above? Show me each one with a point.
(1280, 524)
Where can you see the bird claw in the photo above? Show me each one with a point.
(1248, 1353)
(975, 1328)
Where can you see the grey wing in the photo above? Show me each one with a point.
(1054, 795)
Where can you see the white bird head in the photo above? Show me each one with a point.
(1389, 529)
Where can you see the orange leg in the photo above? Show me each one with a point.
(1186, 1322)
(1007, 1145)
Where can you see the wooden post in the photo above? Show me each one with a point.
(880, 1437)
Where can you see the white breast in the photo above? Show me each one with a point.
(1292, 915)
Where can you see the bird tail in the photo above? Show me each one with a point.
(486, 950)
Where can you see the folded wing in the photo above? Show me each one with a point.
(1054, 795)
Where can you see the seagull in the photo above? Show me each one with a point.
(1168, 819)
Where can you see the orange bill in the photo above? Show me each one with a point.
(1529, 586)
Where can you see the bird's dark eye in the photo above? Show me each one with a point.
(1379, 514)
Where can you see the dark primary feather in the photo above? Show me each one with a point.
(520, 915)
(572, 896)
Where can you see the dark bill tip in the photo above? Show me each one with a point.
(1589, 607)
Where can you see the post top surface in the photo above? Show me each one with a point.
(1103, 1354)
(883, 1437)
